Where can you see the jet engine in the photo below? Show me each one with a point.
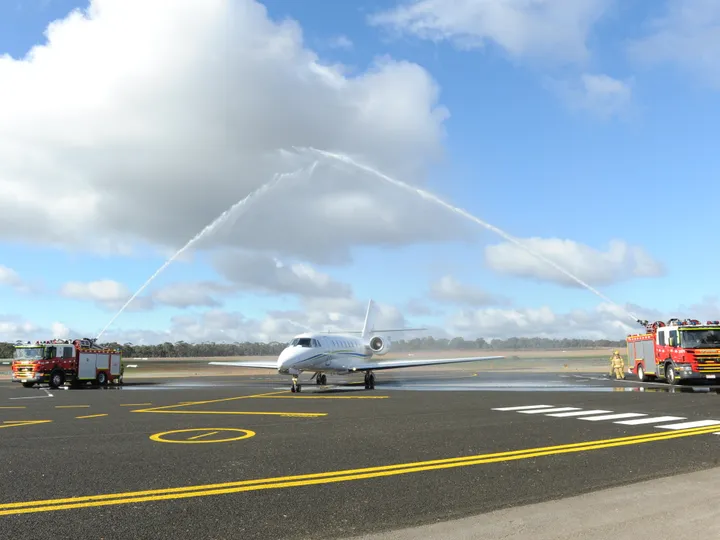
(379, 345)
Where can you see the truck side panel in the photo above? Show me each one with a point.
(115, 365)
(645, 350)
(103, 361)
(86, 369)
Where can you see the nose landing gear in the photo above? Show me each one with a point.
(296, 387)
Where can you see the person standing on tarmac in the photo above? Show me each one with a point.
(617, 366)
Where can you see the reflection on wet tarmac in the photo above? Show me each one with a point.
(440, 382)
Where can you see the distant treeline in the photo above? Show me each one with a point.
(182, 349)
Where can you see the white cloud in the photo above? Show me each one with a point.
(184, 295)
(688, 35)
(341, 42)
(10, 277)
(448, 289)
(112, 295)
(260, 272)
(620, 262)
(554, 30)
(178, 108)
(598, 94)
(606, 321)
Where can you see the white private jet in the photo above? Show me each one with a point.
(341, 354)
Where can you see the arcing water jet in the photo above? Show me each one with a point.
(232, 212)
(434, 198)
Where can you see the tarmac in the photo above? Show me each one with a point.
(451, 453)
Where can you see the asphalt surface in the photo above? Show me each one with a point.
(95, 442)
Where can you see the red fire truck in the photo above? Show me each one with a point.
(57, 362)
(675, 351)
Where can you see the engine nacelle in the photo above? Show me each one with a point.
(379, 345)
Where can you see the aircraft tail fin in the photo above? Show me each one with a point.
(367, 326)
(368, 329)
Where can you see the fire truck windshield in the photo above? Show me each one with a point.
(28, 353)
(700, 339)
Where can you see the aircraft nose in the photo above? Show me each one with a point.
(285, 360)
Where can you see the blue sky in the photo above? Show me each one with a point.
(517, 152)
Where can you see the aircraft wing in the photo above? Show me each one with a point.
(395, 364)
(258, 365)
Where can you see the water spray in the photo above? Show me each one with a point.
(232, 212)
(434, 198)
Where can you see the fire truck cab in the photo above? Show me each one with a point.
(57, 362)
(675, 351)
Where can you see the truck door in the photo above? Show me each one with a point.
(115, 365)
(86, 369)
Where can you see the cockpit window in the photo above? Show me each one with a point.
(304, 342)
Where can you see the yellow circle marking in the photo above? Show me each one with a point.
(201, 437)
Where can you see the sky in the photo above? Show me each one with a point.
(572, 134)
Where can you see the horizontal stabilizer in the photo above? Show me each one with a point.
(395, 364)
(258, 365)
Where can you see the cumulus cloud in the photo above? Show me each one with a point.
(15, 327)
(595, 267)
(687, 35)
(185, 295)
(555, 30)
(261, 272)
(606, 321)
(112, 295)
(599, 94)
(178, 109)
(10, 278)
(317, 314)
(448, 289)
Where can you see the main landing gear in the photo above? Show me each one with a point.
(369, 381)
(321, 379)
(296, 386)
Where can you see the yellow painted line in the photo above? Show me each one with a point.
(12, 407)
(203, 435)
(72, 406)
(160, 437)
(188, 403)
(134, 404)
(256, 413)
(92, 416)
(18, 423)
(49, 505)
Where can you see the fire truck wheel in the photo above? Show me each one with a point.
(102, 378)
(670, 375)
(57, 379)
(641, 374)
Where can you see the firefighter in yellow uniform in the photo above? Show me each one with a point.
(617, 366)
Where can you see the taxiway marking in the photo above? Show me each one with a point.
(165, 408)
(18, 423)
(92, 416)
(686, 425)
(51, 505)
(161, 437)
(72, 406)
(256, 413)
